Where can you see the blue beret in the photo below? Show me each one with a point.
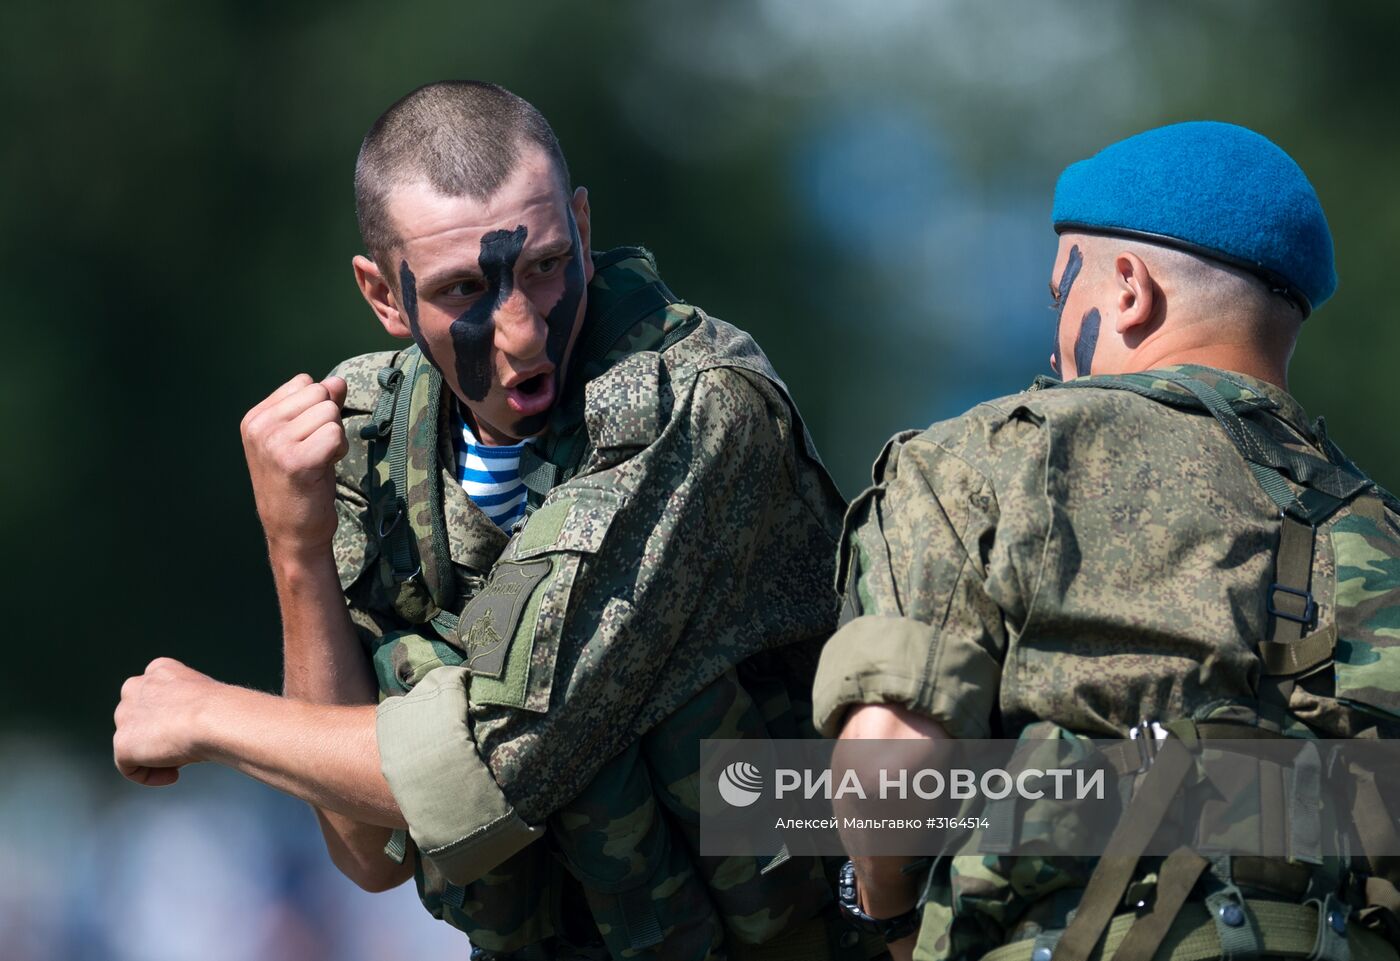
(1214, 189)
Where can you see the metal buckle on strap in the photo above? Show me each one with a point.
(1146, 734)
(1309, 615)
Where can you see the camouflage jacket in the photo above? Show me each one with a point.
(1091, 558)
(698, 534)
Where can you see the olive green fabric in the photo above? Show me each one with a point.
(1092, 558)
(879, 659)
(434, 777)
(1100, 553)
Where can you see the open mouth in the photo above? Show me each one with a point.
(533, 385)
(533, 394)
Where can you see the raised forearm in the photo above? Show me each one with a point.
(321, 656)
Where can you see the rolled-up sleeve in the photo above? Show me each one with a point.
(919, 628)
(437, 775)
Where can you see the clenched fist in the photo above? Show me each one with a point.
(292, 441)
(155, 721)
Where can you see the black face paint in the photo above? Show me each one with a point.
(560, 319)
(408, 287)
(1072, 265)
(1085, 342)
(474, 331)
(560, 323)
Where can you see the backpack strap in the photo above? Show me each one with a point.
(1328, 485)
(410, 382)
(394, 529)
(1112, 875)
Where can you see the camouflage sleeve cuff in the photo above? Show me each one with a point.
(885, 660)
(456, 813)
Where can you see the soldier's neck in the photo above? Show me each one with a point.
(1240, 358)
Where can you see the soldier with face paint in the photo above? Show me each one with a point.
(1155, 542)
(545, 537)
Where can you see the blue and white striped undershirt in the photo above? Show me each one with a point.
(491, 476)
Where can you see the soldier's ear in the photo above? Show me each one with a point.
(380, 295)
(583, 217)
(1136, 302)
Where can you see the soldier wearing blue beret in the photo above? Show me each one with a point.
(1161, 547)
(1206, 214)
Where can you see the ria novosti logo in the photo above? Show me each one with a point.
(740, 784)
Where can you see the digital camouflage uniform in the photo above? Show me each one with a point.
(1092, 558)
(673, 583)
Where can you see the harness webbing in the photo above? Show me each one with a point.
(1177, 877)
(603, 334)
(1287, 651)
(396, 537)
(1107, 885)
(390, 429)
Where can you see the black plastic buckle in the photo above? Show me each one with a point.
(1309, 616)
(374, 430)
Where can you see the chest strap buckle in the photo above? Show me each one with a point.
(1307, 617)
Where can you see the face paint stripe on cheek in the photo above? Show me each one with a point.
(1072, 266)
(560, 324)
(1086, 342)
(562, 315)
(408, 292)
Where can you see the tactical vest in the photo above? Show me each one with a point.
(660, 899)
(1243, 907)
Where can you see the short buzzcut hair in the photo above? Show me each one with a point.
(463, 137)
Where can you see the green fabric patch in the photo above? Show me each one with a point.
(509, 689)
(489, 621)
(542, 529)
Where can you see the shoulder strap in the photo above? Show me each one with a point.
(598, 338)
(1328, 485)
(409, 379)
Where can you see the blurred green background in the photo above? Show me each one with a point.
(864, 186)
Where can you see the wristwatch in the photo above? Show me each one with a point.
(891, 929)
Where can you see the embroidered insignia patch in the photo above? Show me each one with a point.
(489, 621)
